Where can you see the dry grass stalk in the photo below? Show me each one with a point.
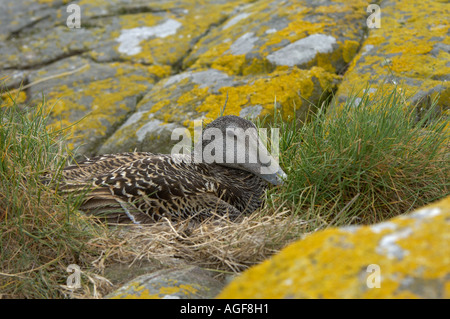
(214, 244)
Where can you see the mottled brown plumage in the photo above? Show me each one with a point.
(142, 187)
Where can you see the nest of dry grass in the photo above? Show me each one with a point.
(216, 243)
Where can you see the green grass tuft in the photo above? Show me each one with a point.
(41, 233)
(363, 162)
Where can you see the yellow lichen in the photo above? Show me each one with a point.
(333, 263)
(219, 56)
(350, 49)
(403, 50)
(136, 290)
(231, 64)
(195, 93)
(284, 86)
(169, 49)
(7, 99)
(97, 103)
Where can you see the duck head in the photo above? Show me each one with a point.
(232, 141)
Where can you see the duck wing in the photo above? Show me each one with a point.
(143, 187)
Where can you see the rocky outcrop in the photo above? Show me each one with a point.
(98, 97)
(133, 71)
(192, 95)
(184, 283)
(410, 50)
(405, 257)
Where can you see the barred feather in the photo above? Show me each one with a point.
(142, 187)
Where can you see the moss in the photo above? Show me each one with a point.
(333, 263)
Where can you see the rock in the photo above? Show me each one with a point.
(14, 78)
(192, 95)
(96, 96)
(186, 283)
(16, 16)
(196, 53)
(156, 33)
(126, 46)
(405, 257)
(256, 52)
(143, 32)
(411, 49)
(267, 34)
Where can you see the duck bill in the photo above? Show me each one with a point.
(277, 178)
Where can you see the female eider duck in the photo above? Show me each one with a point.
(142, 187)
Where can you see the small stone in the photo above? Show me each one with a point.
(190, 282)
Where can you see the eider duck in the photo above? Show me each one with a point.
(142, 187)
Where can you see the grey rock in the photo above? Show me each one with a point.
(93, 95)
(268, 33)
(186, 283)
(172, 104)
(303, 51)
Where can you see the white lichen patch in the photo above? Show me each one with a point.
(251, 111)
(235, 20)
(130, 39)
(244, 44)
(350, 229)
(426, 213)
(367, 48)
(203, 78)
(171, 297)
(388, 244)
(303, 50)
(155, 127)
(378, 228)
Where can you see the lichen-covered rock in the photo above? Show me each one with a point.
(13, 78)
(192, 95)
(267, 34)
(411, 49)
(254, 52)
(155, 33)
(96, 96)
(16, 16)
(143, 32)
(126, 46)
(186, 283)
(405, 257)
